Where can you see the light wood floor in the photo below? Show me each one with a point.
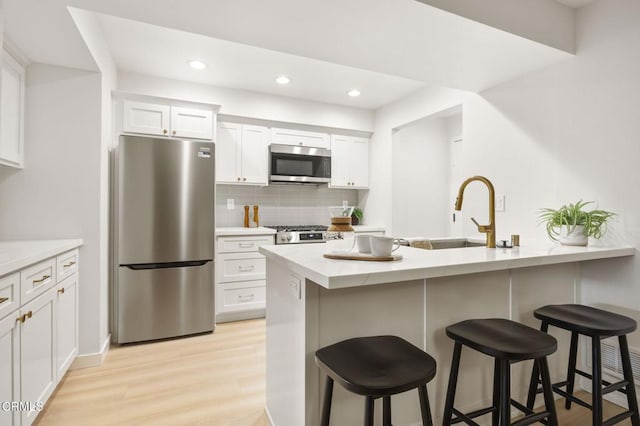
(215, 379)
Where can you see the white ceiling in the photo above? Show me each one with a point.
(158, 51)
(328, 45)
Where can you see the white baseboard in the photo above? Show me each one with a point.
(269, 419)
(94, 359)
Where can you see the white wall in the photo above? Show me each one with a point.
(90, 29)
(570, 132)
(416, 106)
(58, 193)
(244, 103)
(561, 134)
(420, 178)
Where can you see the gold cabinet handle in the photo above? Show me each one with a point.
(164, 131)
(61, 290)
(67, 265)
(41, 280)
(173, 133)
(23, 318)
(3, 299)
(238, 179)
(244, 179)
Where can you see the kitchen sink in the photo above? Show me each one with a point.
(454, 243)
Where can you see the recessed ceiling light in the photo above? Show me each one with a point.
(283, 79)
(354, 93)
(197, 65)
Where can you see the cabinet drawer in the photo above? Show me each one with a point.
(9, 294)
(244, 296)
(66, 264)
(36, 279)
(242, 244)
(241, 267)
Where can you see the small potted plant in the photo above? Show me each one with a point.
(572, 224)
(356, 216)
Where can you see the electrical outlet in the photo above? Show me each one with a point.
(499, 202)
(295, 286)
(345, 203)
(231, 204)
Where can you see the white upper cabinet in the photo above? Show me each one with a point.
(11, 112)
(300, 138)
(164, 120)
(349, 162)
(191, 123)
(242, 154)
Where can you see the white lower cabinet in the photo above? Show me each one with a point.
(37, 352)
(240, 277)
(66, 321)
(38, 339)
(9, 368)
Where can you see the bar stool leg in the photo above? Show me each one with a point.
(533, 386)
(628, 376)
(505, 393)
(424, 406)
(326, 405)
(549, 402)
(495, 420)
(596, 383)
(386, 411)
(571, 369)
(453, 382)
(368, 411)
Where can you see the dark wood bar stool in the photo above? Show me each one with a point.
(376, 367)
(596, 324)
(507, 342)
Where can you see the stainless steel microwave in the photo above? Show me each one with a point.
(299, 164)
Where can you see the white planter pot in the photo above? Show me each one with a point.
(573, 236)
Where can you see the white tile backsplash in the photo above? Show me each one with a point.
(280, 204)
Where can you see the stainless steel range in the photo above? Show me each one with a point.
(300, 234)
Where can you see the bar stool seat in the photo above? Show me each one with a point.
(586, 320)
(507, 342)
(596, 324)
(376, 367)
(503, 339)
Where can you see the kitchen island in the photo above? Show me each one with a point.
(313, 302)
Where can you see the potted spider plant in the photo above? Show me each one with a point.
(573, 224)
(356, 216)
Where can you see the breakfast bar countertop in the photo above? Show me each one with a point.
(308, 260)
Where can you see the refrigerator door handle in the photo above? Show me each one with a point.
(143, 266)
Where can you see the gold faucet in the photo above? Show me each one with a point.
(489, 229)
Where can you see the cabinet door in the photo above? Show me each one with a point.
(359, 154)
(9, 367)
(191, 123)
(11, 112)
(300, 137)
(228, 151)
(66, 324)
(146, 118)
(37, 352)
(255, 155)
(340, 162)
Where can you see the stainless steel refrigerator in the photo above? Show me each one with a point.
(162, 238)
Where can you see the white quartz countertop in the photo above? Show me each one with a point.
(235, 231)
(307, 260)
(15, 255)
